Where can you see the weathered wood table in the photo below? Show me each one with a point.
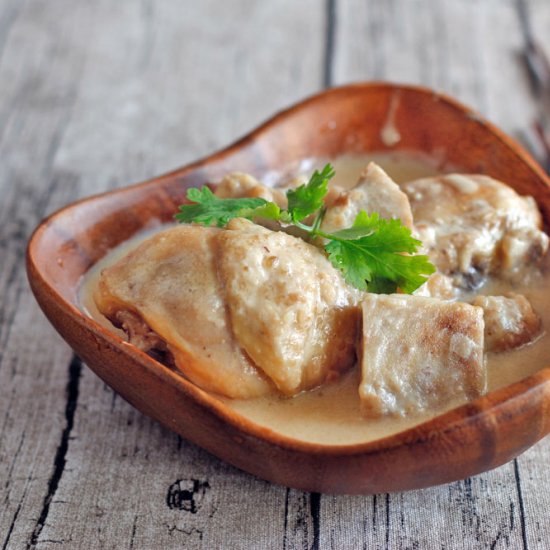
(95, 95)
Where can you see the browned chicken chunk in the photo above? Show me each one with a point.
(438, 286)
(473, 225)
(291, 311)
(419, 354)
(510, 321)
(170, 282)
(239, 185)
(374, 192)
(242, 310)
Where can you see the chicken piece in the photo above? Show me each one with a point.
(473, 225)
(139, 333)
(437, 286)
(419, 354)
(239, 185)
(237, 309)
(170, 283)
(374, 192)
(510, 321)
(290, 308)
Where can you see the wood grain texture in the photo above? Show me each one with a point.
(96, 95)
(33, 370)
(471, 50)
(131, 67)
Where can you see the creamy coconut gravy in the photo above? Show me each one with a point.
(330, 414)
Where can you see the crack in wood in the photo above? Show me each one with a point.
(72, 390)
(537, 67)
(299, 519)
(495, 541)
(188, 532)
(527, 31)
(315, 511)
(113, 400)
(521, 506)
(387, 520)
(12, 525)
(471, 517)
(14, 460)
(330, 32)
(134, 527)
(374, 514)
(285, 523)
(148, 35)
(6, 415)
(5, 335)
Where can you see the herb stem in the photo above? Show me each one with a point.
(318, 219)
(304, 227)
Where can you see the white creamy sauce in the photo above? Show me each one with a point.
(400, 166)
(330, 414)
(389, 134)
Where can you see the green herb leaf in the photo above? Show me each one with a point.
(268, 211)
(374, 255)
(207, 209)
(308, 198)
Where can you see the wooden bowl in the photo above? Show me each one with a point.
(470, 439)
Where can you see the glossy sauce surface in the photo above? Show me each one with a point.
(330, 414)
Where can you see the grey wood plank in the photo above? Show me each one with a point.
(213, 70)
(479, 512)
(95, 95)
(33, 361)
(459, 48)
(152, 86)
(533, 472)
(136, 484)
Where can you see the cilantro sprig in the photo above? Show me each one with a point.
(309, 198)
(207, 209)
(374, 254)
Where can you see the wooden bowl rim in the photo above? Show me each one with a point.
(445, 423)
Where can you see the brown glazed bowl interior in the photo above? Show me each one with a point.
(467, 440)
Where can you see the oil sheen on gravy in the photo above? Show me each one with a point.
(330, 414)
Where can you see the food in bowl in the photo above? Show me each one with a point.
(263, 319)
